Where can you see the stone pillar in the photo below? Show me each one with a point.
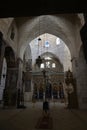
(14, 94)
(74, 66)
(82, 81)
(10, 91)
(2, 50)
(19, 83)
(20, 70)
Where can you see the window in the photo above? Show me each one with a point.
(42, 65)
(47, 58)
(48, 64)
(57, 41)
(47, 44)
(53, 65)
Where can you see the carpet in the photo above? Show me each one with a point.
(44, 123)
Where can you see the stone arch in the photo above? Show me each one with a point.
(54, 57)
(59, 31)
(53, 49)
(65, 31)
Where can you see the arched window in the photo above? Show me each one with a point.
(47, 44)
(53, 65)
(42, 65)
(47, 64)
(57, 41)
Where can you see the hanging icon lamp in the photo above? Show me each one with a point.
(39, 60)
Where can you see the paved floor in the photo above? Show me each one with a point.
(25, 119)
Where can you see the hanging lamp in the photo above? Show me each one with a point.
(39, 60)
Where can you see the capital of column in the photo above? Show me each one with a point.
(19, 61)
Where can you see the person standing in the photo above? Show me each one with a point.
(46, 107)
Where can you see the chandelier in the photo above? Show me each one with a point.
(39, 61)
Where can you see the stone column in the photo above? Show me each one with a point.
(20, 69)
(2, 51)
(82, 81)
(19, 83)
(10, 92)
(75, 66)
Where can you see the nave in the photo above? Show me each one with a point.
(36, 51)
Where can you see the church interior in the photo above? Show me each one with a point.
(43, 57)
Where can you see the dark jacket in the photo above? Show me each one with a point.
(45, 105)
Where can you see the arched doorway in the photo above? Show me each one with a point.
(62, 30)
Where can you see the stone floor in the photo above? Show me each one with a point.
(25, 119)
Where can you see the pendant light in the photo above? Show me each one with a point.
(39, 60)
